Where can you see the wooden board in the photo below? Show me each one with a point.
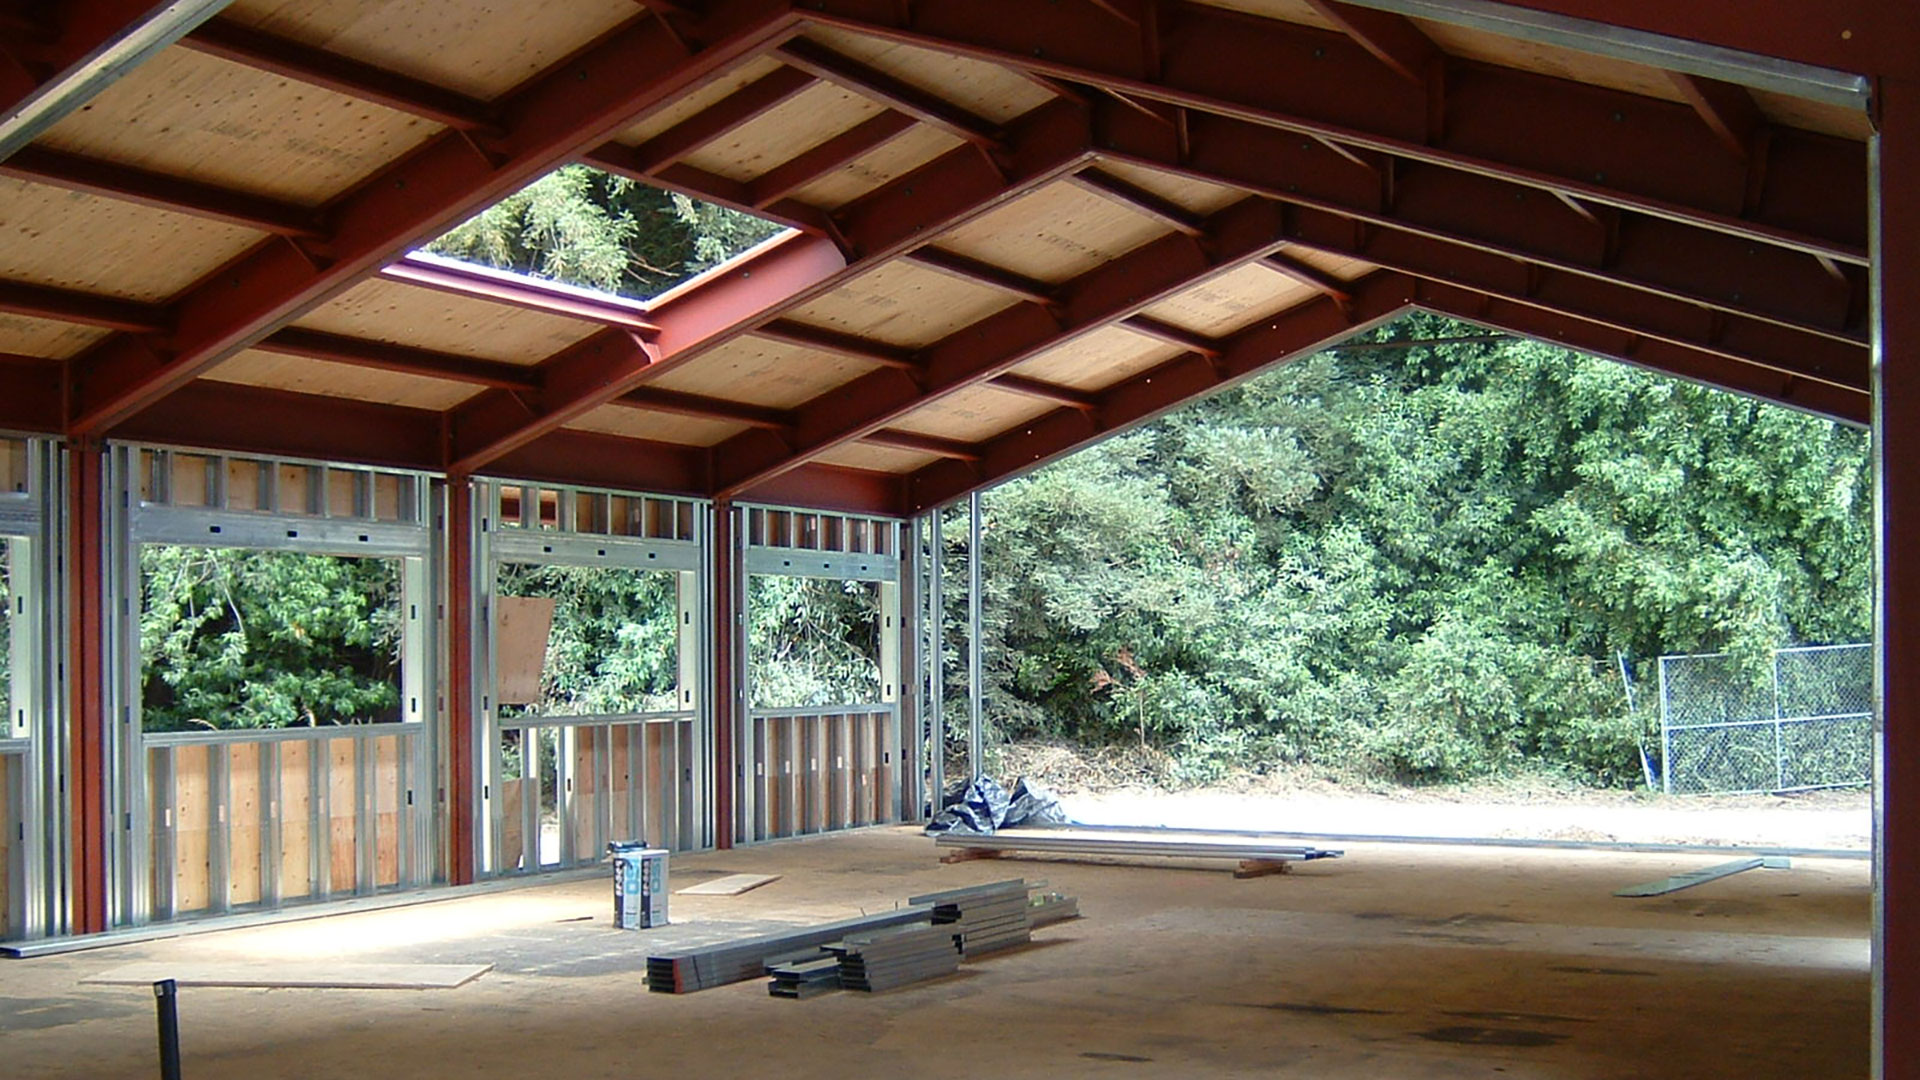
(28, 336)
(891, 160)
(474, 50)
(1055, 234)
(522, 627)
(296, 830)
(410, 315)
(800, 123)
(1338, 265)
(1293, 11)
(1227, 302)
(657, 426)
(975, 414)
(730, 885)
(858, 455)
(72, 240)
(762, 371)
(1543, 59)
(1196, 195)
(1814, 115)
(192, 818)
(386, 810)
(900, 303)
(1097, 360)
(698, 99)
(343, 811)
(275, 371)
(244, 839)
(983, 89)
(328, 975)
(203, 118)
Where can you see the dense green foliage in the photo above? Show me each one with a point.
(813, 642)
(1426, 560)
(613, 648)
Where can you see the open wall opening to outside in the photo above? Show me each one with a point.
(32, 737)
(1439, 580)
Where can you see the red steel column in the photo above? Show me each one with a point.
(462, 807)
(1897, 461)
(725, 613)
(88, 747)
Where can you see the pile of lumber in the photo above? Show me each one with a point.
(984, 918)
(896, 956)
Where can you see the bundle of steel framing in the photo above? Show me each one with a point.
(984, 917)
(1128, 841)
(1053, 907)
(688, 970)
(804, 978)
(896, 956)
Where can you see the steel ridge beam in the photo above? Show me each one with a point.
(1619, 149)
(86, 309)
(1239, 234)
(578, 103)
(1663, 357)
(74, 172)
(1143, 397)
(900, 439)
(1050, 142)
(405, 359)
(256, 420)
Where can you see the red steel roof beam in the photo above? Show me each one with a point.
(255, 420)
(984, 273)
(1392, 39)
(755, 99)
(844, 71)
(584, 457)
(404, 359)
(1045, 391)
(73, 172)
(699, 406)
(580, 102)
(1165, 211)
(1173, 335)
(922, 444)
(513, 290)
(835, 153)
(86, 309)
(789, 332)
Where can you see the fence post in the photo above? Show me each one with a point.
(1666, 736)
(1779, 746)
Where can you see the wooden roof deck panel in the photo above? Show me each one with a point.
(25, 335)
(400, 314)
(872, 458)
(987, 90)
(1232, 301)
(760, 371)
(477, 49)
(784, 132)
(894, 159)
(1197, 196)
(632, 423)
(276, 371)
(108, 247)
(1098, 360)
(699, 99)
(218, 122)
(974, 415)
(1054, 234)
(900, 303)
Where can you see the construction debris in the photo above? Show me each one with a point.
(1255, 853)
(731, 885)
(703, 968)
(897, 956)
(984, 918)
(1700, 877)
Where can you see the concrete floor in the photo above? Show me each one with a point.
(1396, 961)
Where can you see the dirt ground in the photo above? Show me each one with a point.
(1121, 789)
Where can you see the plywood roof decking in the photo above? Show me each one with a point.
(131, 251)
(401, 314)
(1196, 195)
(1337, 265)
(1232, 300)
(25, 335)
(474, 51)
(903, 304)
(275, 371)
(762, 372)
(886, 459)
(1097, 360)
(896, 158)
(975, 414)
(699, 99)
(204, 118)
(980, 88)
(796, 125)
(1054, 234)
(656, 426)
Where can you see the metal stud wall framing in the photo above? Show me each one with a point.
(33, 737)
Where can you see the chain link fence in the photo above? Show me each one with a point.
(1804, 721)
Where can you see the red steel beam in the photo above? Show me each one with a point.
(789, 332)
(1391, 38)
(87, 309)
(578, 103)
(725, 605)
(1165, 211)
(516, 290)
(1046, 391)
(30, 393)
(818, 60)
(923, 444)
(1173, 335)
(568, 456)
(1311, 276)
(1621, 149)
(88, 748)
(984, 273)
(1728, 111)
(680, 403)
(972, 355)
(809, 165)
(623, 160)
(405, 359)
(74, 172)
(753, 100)
(840, 489)
(284, 423)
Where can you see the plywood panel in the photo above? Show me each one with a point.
(206, 119)
(877, 458)
(524, 624)
(1098, 360)
(1227, 302)
(1814, 115)
(659, 427)
(1338, 265)
(890, 161)
(409, 315)
(28, 336)
(975, 414)
(698, 100)
(800, 123)
(903, 304)
(275, 371)
(1196, 195)
(243, 814)
(1293, 11)
(512, 824)
(296, 831)
(72, 240)
(192, 817)
(764, 372)
(1055, 234)
(386, 810)
(981, 88)
(477, 50)
(1553, 60)
(342, 808)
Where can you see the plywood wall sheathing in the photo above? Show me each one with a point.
(193, 799)
(387, 798)
(130, 251)
(25, 335)
(473, 52)
(207, 119)
(893, 159)
(900, 303)
(343, 810)
(244, 840)
(1097, 360)
(764, 372)
(410, 315)
(1231, 301)
(886, 459)
(279, 372)
(981, 88)
(656, 426)
(974, 414)
(1055, 234)
(1196, 195)
(1293, 11)
(796, 125)
(698, 100)
(296, 830)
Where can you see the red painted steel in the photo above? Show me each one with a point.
(517, 290)
(116, 180)
(726, 610)
(1391, 38)
(88, 722)
(405, 359)
(30, 394)
(584, 457)
(838, 489)
(464, 721)
(824, 63)
(86, 309)
(578, 103)
(856, 142)
(255, 420)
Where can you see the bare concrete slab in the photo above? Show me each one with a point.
(312, 975)
(731, 885)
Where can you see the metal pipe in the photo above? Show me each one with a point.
(937, 664)
(166, 1005)
(976, 672)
